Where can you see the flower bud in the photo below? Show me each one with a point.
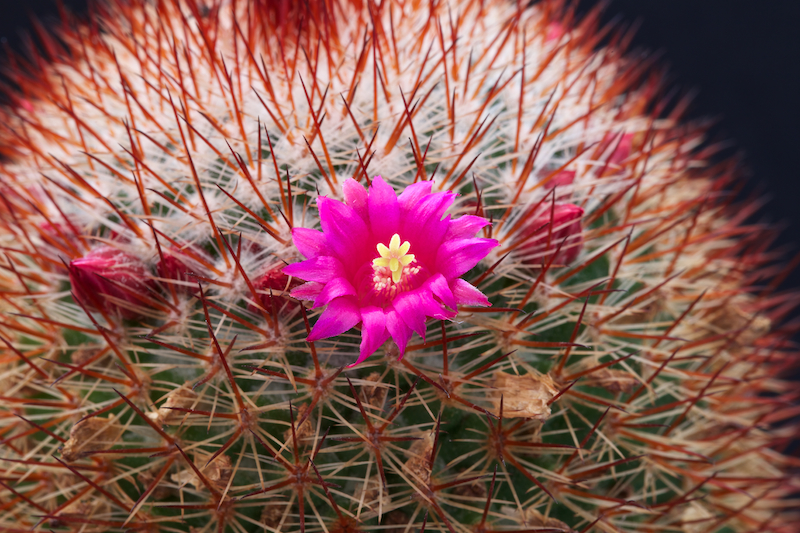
(61, 238)
(555, 30)
(278, 282)
(178, 265)
(621, 146)
(623, 150)
(543, 235)
(561, 179)
(105, 273)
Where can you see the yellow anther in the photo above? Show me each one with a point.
(395, 257)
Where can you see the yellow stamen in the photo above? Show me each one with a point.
(395, 257)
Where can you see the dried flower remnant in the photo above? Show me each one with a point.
(696, 518)
(218, 473)
(304, 429)
(90, 435)
(525, 396)
(173, 409)
(418, 465)
(79, 509)
(374, 391)
(391, 290)
(536, 520)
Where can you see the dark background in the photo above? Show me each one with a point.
(743, 56)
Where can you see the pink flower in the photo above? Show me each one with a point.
(387, 262)
(108, 272)
(543, 235)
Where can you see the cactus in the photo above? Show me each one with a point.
(606, 354)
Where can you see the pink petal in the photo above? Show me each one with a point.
(439, 286)
(373, 332)
(415, 307)
(466, 294)
(465, 227)
(384, 211)
(399, 331)
(341, 315)
(355, 195)
(322, 269)
(307, 291)
(335, 288)
(407, 307)
(412, 195)
(345, 231)
(425, 226)
(457, 257)
(310, 242)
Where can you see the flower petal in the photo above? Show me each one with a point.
(456, 257)
(416, 306)
(466, 294)
(465, 227)
(399, 331)
(439, 286)
(321, 269)
(307, 291)
(345, 231)
(341, 315)
(424, 226)
(409, 309)
(384, 210)
(335, 288)
(310, 242)
(373, 332)
(412, 195)
(355, 195)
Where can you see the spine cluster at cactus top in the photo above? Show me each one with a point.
(360, 265)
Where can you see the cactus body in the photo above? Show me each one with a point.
(156, 365)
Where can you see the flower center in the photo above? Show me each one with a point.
(395, 257)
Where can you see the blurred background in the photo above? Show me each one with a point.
(742, 57)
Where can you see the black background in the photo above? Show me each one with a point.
(743, 56)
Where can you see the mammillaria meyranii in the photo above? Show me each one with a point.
(181, 158)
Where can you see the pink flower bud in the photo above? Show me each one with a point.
(172, 267)
(621, 147)
(26, 104)
(278, 282)
(555, 30)
(179, 265)
(560, 181)
(105, 273)
(61, 237)
(542, 236)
